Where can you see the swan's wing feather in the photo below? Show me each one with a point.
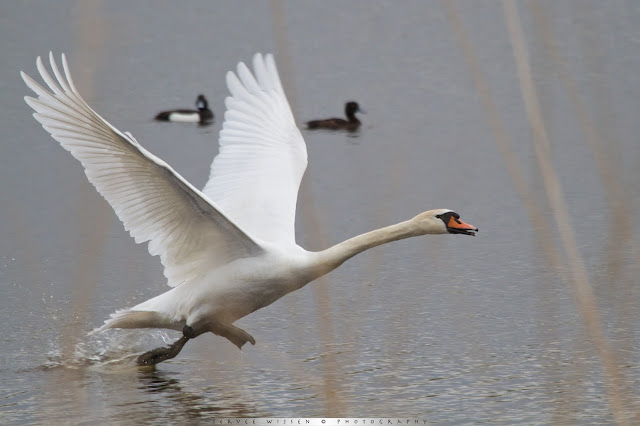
(256, 175)
(155, 203)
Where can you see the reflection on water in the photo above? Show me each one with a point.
(193, 405)
(493, 384)
(455, 330)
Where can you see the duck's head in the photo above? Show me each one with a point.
(201, 102)
(443, 221)
(352, 107)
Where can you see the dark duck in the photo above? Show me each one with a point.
(203, 115)
(351, 124)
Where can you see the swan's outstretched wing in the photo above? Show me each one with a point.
(256, 175)
(154, 202)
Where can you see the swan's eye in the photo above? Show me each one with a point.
(446, 217)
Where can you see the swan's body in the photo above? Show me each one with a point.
(202, 115)
(229, 249)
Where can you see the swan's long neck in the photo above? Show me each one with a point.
(335, 256)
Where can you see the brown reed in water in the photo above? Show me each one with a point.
(93, 219)
(575, 276)
(580, 285)
(335, 406)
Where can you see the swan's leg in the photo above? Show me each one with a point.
(162, 354)
(235, 335)
(189, 332)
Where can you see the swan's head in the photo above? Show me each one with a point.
(443, 221)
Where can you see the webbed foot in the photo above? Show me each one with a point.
(162, 354)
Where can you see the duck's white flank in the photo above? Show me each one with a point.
(180, 117)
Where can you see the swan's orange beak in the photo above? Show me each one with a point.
(456, 226)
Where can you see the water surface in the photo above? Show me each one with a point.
(451, 329)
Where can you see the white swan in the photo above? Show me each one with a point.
(229, 249)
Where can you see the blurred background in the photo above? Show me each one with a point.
(521, 116)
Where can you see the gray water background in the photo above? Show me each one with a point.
(450, 329)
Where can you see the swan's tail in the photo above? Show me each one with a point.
(157, 312)
(126, 318)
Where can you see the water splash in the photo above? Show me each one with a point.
(110, 348)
